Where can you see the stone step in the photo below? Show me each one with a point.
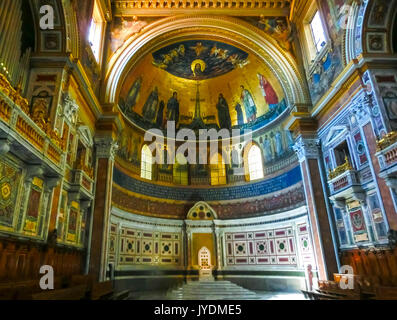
(211, 290)
(229, 289)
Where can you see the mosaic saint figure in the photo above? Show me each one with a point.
(132, 96)
(290, 139)
(150, 107)
(268, 92)
(267, 148)
(123, 145)
(225, 121)
(249, 104)
(134, 154)
(279, 144)
(240, 115)
(173, 109)
(160, 115)
(235, 158)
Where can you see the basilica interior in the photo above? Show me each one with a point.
(107, 181)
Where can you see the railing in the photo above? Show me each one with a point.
(89, 171)
(15, 113)
(387, 151)
(82, 179)
(388, 140)
(340, 170)
(165, 177)
(342, 177)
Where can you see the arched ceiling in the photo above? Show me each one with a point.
(263, 50)
(217, 84)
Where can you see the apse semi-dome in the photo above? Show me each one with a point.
(201, 83)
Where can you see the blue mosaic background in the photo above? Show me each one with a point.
(279, 183)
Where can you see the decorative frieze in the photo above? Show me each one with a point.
(161, 7)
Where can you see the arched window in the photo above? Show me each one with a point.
(255, 163)
(181, 174)
(318, 32)
(96, 30)
(218, 170)
(146, 163)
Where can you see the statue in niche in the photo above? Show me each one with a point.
(225, 121)
(173, 109)
(160, 115)
(268, 92)
(240, 115)
(249, 104)
(150, 107)
(39, 113)
(267, 148)
(132, 97)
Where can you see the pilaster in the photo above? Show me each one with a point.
(307, 148)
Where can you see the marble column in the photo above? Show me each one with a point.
(85, 207)
(218, 247)
(105, 151)
(184, 256)
(321, 221)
